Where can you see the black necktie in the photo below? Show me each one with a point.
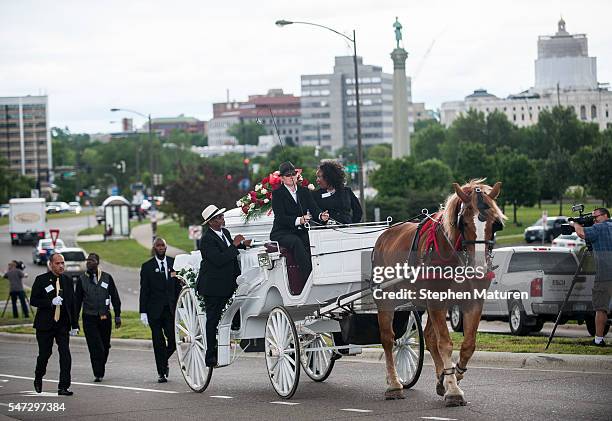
(163, 270)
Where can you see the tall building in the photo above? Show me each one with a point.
(285, 109)
(564, 75)
(329, 105)
(25, 139)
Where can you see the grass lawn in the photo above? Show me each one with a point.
(99, 228)
(119, 252)
(3, 220)
(175, 235)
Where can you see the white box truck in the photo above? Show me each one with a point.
(27, 220)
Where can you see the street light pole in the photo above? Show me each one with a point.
(148, 117)
(361, 170)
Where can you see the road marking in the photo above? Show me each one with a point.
(439, 418)
(139, 389)
(285, 403)
(222, 397)
(356, 410)
(4, 404)
(41, 395)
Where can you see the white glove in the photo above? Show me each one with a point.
(144, 320)
(74, 332)
(57, 301)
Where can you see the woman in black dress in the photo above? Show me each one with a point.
(334, 196)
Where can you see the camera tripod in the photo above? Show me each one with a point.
(9, 299)
(587, 252)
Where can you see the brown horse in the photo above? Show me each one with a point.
(460, 235)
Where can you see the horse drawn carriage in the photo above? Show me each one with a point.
(299, 326)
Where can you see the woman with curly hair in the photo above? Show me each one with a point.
(334, 196)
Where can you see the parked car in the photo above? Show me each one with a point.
(57, 207)
(75, 207)
(75, 261)
(44, 249)
(4, 209)
(571, 241)
(552, 230)
(545, 275)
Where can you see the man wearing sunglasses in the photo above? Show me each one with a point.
(600, 236)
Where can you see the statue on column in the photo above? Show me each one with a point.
(398, 31)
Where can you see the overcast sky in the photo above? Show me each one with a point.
(172, 57)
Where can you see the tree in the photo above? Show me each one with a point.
(395, 177)
(378, 153)
(520, 181)
(426, 142)
(433, 175)
(196, 187)
(600, 173)
(557, 171)
(405, 207)
(13, 184)
(473, 161)
(247, 133)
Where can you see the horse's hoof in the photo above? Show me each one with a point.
(454, 400)
(440, 389)
(394, 394)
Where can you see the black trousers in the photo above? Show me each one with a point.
(45, 340)
(162, 333)
(299, 243)
(214, 308)
(24, 306)
(98, 334)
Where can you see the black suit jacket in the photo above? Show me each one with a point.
(343, 205)
(41, 299)
(155, 290)
(219, 267)
(286, 210)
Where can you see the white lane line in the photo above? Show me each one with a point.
(3, 381)
(439, 418)
(222, 397)
(41, 395)
(4, 404)
(285, 403)
(356, 410)
(139, 389)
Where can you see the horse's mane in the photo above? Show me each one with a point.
(453, 204)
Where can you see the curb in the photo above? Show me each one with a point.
(517, 360)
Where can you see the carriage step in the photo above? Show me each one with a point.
(253, 345)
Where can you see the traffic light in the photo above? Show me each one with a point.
(81, 194)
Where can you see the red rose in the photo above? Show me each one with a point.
(305, 183)
(265, 180)
(253, 196)
(269, 195)
(245, 209)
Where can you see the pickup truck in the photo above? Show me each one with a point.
(545, 274)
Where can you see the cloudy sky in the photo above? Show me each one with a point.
(172, 57)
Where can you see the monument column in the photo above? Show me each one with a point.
(401, 135)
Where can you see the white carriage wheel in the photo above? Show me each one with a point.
(317, 364)
(408, 352)
(190, 335)
(282, 348)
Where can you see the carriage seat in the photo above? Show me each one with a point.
(296, 282)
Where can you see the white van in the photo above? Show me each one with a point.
(27, 220)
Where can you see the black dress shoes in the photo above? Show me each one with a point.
(162, 379)
(97, 379)
(38, 384)
(167, 370)
(212, 362)
(65, 392)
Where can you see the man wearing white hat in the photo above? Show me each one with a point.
(218, 272)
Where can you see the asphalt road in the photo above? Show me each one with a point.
(242, 391)
(127, 280)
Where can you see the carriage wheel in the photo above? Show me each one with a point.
(190, 335)
(317, 364)
(282, 352)
(408, 352)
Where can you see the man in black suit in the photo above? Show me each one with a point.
(159, 290)
(53, 295)
(218, 272)
(293, 207)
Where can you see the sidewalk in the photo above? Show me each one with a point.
(144, 236)
(515, 360)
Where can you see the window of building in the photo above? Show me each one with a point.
(523, 117)
(583, 115)
(513, 117)
(593, 112)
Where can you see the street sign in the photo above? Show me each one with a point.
(195, 232)
(54, 232)
(352, 168)
(115, 191)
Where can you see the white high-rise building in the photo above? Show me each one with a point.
(564, 75)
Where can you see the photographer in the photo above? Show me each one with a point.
(15, 276)
(600, 236)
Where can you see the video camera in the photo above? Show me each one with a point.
(584, 220)
(20, 265)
